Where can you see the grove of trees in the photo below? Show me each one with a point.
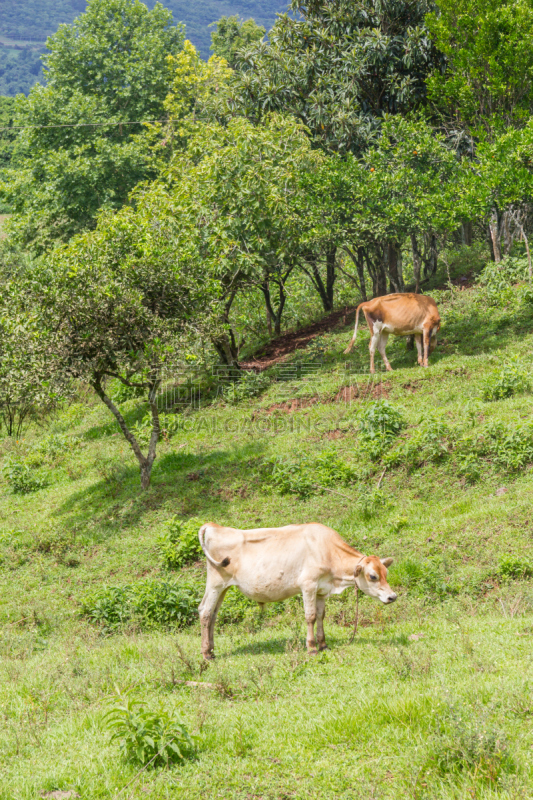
(160, 199)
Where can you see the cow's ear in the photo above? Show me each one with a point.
(387, 562)
(357, 571)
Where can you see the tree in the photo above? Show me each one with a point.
(488, 81)
(107, 69)
(232, 35)
(121, 301)
(242, 184)
(487, 86)
(407, 183)
(340, 67)
(7, 136)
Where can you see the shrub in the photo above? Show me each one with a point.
(179, 545)
(506, 446)
(429, 442)
(514, 568)
(512, 378)
(56, 444)
(23, 478)
(469, 466)
(307, 475)
(149, 738)
(370, 500)
(150, 602)
(498, 279)
(248, 385)
(379, 424)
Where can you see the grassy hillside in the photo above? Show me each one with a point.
(25, 25)
(432, 699)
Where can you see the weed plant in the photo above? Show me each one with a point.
(149, 738)
(180, 545)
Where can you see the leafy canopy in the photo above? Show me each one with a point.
(340, 66)
(109, 69)
(488, 45)
(232, 34)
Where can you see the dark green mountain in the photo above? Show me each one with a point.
(25, 24)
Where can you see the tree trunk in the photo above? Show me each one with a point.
(145, 462)
(325, 291)
(331, 274)
(268, 315)
(466, 233)
(394, 267)
(416, 262)
(225, 345)
(494, 230)
(430, 255)
(228, 354)
(376, 268)
(358, 260)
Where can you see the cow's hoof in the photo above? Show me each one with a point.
(312, 652)
(208, 656)
(323, 647)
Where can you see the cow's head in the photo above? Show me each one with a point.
(371, 578)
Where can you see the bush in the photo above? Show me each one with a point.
(248, 385)
(306, 475)
(379, 424)
(429, 442)
(514, 568)
(512, 378)
(23, 478)
(499, 279)
(150, 602)
(506, 446)
(180, 545)
(370, 501)
(56, 444)
(149, 738)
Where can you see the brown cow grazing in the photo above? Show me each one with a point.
(271, 564)
(404, 315)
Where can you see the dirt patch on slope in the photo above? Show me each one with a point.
(278, 349)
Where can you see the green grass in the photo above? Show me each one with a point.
(432, 700)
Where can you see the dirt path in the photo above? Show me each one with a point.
(278, 349)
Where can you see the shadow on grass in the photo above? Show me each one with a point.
(194, 482)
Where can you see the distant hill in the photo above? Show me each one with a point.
(25, 25)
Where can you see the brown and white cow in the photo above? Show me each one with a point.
(271, 564)
(403, 315)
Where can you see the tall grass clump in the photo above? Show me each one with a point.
(179, 544)
(379, 425)
(513, 378)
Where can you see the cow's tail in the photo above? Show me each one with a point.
(348, 349)
(201, 536)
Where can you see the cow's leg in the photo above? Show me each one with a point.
(418, 340)
(320, 611)
(310, 604)
(374, 342)
(382, 344)
(208, 608)
(426, 347)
